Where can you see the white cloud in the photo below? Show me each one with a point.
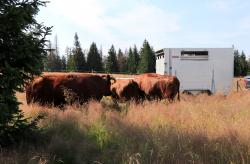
(86, 13)
(138, 19)
(145, 20)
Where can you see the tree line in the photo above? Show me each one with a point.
(241, 64)
(75, 58)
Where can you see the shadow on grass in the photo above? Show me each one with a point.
(110, 139)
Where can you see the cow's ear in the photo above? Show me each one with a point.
(108, 78)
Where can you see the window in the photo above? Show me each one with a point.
(194, 55)
(160, 54)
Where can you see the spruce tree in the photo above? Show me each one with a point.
(237, 63)
(71, 65)
(78, 55)
(63, 63)
(112, 65)
(51, 57)
(147, 59)
(131, 62)
(122, 61)
(57, 63)
(22, 42)
(244, 65)
(137, 57)
(70, 62)
(94, 60)
(53, 61)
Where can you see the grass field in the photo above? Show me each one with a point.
(201, 129)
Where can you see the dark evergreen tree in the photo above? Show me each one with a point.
(49, 64)
(131, 62)
(94, 60)
(57, 63)
(53, 61)
(78, 55)
(240, 64)
(122, 62)
(137, 57)
(112, 64)
(147, 59)
(22, 42)
(237, 68)
(70, 66)
(244, 64)
(63, 63)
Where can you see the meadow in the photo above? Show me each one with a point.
(198, 129)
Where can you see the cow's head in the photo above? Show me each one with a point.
(108, 80)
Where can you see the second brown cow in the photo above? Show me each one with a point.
(126, 89)
(158, 86)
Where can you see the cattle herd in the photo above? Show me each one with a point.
(55, 89)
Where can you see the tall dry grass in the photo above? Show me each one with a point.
(202, 129)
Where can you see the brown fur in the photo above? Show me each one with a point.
(127, 90)
(51, 89)
(158, 86)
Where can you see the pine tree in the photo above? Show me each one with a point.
(78, 54)
(131, 62)
(57, 61)
(244, 65)
(240, 64)
(94, 60)
(51, 57)
(70, 66)
(22, 42)
(147, 59)
(63, 63)
(53, 61)
(137, 57)
(122, 62)
(112, 65)
(237, 68)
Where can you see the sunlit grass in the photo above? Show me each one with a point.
(202, 129)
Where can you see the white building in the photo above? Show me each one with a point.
(198, 69)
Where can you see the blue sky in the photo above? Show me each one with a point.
(164, 23)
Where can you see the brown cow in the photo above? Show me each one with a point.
(158, 86)
(54, 89)
(127, 90)
(40, 90)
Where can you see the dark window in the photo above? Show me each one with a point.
(194, 53)
(160, 54)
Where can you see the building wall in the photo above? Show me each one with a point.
(160, 68)
(214, 73)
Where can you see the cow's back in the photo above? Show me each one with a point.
(84, 86)
(159, 86)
